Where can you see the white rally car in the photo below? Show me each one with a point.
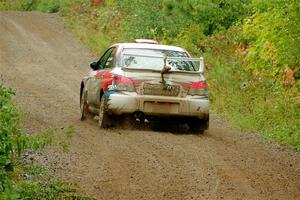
(147, 81)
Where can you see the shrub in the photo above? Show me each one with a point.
(13, 143)
(9, 135)
(274, 46)
(50, 6)
(252, 101)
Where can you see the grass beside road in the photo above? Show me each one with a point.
(21, 180)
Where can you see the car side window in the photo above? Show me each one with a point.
(107, 59)
(110, 59)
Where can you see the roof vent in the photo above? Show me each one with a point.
(146, 41)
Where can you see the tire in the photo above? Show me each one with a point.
(105, 120)
(198, 126)
(84, 108)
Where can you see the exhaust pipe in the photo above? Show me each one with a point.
(139, 116)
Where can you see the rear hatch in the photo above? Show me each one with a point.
(162, 72)
(175, 84)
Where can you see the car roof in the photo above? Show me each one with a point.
(149, 46)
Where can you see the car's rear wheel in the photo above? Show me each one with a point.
(84, 108)
(104, 118)
(198, 126)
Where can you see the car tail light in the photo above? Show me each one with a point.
(198, 88)
(122, 83)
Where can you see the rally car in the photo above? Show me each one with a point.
(147, 81)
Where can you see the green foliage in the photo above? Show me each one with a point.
(50, 137)
(274, 45)
(251, 101)
(191, 37)
(13, 143)
(10, 5)
(29, 5)
(169, 19)
(9, 135)
(141, 19)
(213, 15)
(50, 6)
(36, 183)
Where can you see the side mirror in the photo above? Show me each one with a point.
(94, 65)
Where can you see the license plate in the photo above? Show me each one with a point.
(161, 107)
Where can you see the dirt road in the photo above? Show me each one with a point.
(44, 63)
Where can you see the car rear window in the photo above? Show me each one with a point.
(153, 59)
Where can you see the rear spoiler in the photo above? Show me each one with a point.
(200, 60)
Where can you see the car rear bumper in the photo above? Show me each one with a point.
(129, 102)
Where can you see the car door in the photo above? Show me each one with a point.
(99, 77)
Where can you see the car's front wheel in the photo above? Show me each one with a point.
(104, 117)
